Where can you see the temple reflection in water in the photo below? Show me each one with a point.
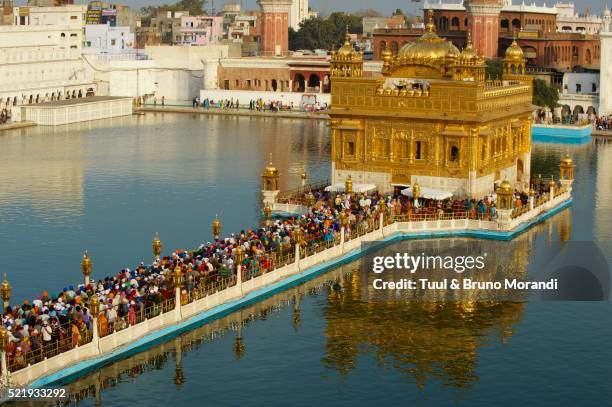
(425, 339)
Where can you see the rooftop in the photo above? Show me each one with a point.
(524, 8)
(78, 101)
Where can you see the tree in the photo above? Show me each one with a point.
(325, 33)
(313, 33)
(545, 94)
(147, 13)
(398, 12)
(340, 22)
(494, 69)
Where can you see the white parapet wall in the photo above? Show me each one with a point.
(100, 351)
(77, 110)
(245, 96)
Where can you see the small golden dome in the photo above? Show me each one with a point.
(469, 53)
(567, 160)
(514, 52)
(505, 187)
(270, 169)
(347, 49)
(429, 45)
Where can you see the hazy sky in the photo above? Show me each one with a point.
(326, 6)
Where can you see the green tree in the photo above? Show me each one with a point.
(325, 33)
(398, 12)
(545, 94)
(313, 33)
(493, 69)
(340, 22)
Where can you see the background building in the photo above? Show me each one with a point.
(199, 30)
(68, 15)
(168, 24)
(568, 20)
(40, 57)
(297, 13)
(372, 23)
(274, 26)
(106, 39)
(605, 78)
(534, 26)
(579, 94)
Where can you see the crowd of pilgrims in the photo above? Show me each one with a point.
(63, 320)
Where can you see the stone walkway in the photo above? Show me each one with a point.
(16, 125)
(602, 133)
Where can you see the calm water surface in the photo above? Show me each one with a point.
(109, 186)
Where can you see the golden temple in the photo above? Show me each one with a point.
(431, 117)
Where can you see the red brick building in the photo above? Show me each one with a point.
(535, 27)
(274, 27)
(275, 74)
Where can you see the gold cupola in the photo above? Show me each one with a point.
(469, 65)
(346, 50)
(346, 61)
(469, 53)
(514, 62)
(514, 53)
(269, 177)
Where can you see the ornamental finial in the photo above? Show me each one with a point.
(430, 27)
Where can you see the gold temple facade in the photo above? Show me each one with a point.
(431, 117)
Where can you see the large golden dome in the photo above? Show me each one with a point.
(514, 52)
(429, 45)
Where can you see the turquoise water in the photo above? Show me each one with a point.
(108, 187)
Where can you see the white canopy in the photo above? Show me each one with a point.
(429, 193)
(357, 188)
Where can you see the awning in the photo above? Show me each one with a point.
(357, 188)
(429, 193)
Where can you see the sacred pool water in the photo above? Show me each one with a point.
(109, 186)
